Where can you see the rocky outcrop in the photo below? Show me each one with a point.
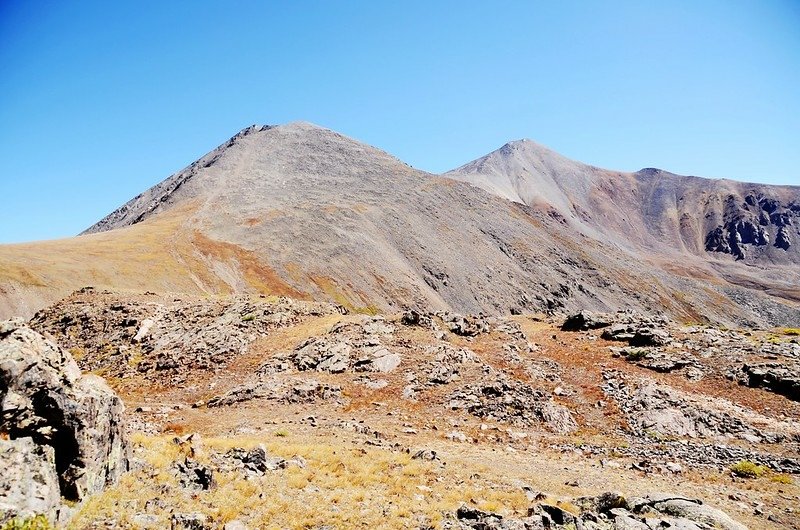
(750, 224)
(637, 334)
(586, 320)
(464, 325)
(75, 418)
(663, 412)
(348, 346)
(775, 377)
(623, 326)
(144, 334)
(607, 511)
(508, 400)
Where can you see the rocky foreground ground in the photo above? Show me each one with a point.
(275, 413)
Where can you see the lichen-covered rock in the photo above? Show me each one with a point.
(28, 480)
(43, 396)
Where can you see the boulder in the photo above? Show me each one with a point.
(586, 320)
(44, 397)
(637, 334)
(28, 480)
(692, 509)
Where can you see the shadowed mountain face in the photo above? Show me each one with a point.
(300, 210)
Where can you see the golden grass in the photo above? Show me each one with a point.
(143, 256)
(341, 487)
(781, 478)
(160, 254)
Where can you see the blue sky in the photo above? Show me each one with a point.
(100, 100)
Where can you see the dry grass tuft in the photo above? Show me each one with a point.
(748, 469)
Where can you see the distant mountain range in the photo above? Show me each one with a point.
(301, 210)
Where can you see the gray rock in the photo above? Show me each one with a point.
(310, 391)
(776, 377)
(386, 362)
(44, 396)
(194, 475)
(626, 522)
(507, 399)
(255, 461)
(586, 320)
(146, 521)
(245, 392)
(28, 480)
(558, 515)
(190, 521)
(697, 512)
(466, 326)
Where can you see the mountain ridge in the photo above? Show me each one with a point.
(301, 209)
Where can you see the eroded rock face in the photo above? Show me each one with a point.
(752, 224)
(775, 377)
(44, 397)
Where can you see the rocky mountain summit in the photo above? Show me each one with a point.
(301, 211)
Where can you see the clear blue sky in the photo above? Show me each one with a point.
(100, 100)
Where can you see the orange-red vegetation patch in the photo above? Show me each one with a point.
(256, 272)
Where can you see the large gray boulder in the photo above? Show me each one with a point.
(44, 397)
(28, 480)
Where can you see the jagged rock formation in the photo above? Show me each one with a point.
(55, 418)
(756, 221)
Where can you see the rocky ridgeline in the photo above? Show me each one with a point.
(136, 335)
(62, 433)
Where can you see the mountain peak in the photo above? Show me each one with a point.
(526, 148)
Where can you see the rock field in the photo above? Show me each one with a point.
(588, 420)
